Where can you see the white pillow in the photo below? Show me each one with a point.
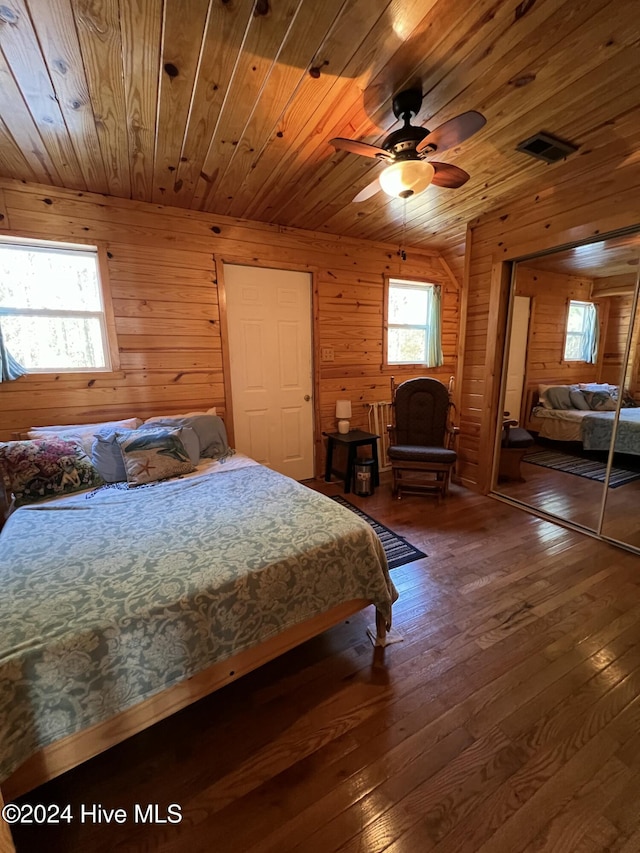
(157, 418)
(596, 386)
(84, 433)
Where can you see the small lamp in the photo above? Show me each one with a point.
(343, 413)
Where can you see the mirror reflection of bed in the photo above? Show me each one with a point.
(574, 405)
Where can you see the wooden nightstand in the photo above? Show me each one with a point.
(352, 441)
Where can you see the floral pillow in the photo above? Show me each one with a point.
(45, 468)
(84, 433)
(153, 454)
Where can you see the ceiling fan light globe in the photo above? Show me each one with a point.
(406, 177)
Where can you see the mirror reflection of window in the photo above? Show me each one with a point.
(581, 342)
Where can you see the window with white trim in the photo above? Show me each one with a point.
(51, 306)
(413, 323)
(581, 341)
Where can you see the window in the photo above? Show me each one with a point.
(413, 323)
(581, 342)
(51, 307)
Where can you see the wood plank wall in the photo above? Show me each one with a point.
(550, 293)
(165, 298)
(615, 339)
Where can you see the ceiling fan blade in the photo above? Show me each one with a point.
(448, 176)
(355, 147)
(452, 132)
(370, 190)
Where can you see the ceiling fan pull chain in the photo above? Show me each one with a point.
(401, 250)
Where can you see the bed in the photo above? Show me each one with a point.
(555, 416)
(138, 601)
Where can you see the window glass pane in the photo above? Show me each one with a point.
(573, 347)
(407, 346)
(52, 343)
(575, 320)
(36, 278)
(407, 306)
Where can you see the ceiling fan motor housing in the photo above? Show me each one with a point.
(407, 104)
(402, 143)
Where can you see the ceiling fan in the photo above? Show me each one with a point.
(404, 151)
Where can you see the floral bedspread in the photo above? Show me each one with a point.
(108, 597)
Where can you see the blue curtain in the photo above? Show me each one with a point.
(434, 323)
(9, 368)
(590, 338)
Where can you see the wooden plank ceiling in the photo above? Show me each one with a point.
(227, 106)
(606, 258)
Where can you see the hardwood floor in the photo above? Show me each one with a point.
(579, 500)
(507, 720)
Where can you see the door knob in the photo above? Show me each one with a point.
(307, 398)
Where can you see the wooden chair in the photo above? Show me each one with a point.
(421, 439)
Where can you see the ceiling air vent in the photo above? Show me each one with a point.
(546, 147)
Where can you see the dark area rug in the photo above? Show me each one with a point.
(397, 549)
(592, 469)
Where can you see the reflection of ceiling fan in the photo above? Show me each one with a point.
(404, 151)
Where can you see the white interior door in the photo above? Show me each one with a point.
(517, 356)
(269, 328)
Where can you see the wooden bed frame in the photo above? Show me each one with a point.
(69, 752)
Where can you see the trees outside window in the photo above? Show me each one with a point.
(414, 323)
(52, 310)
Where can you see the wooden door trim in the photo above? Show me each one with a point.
(501, 277)
(220, 261)
(224, 339)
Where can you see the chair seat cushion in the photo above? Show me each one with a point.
(417, 453)
(518, 437)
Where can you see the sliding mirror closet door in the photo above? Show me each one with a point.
(569, 325)
(621, 515)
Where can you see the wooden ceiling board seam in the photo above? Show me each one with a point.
(12, 160)
(264, 44)
(322, 73)
(23, 54)
(368, 126)
(98, 29)
(495, 197)
(565, 66)
(542, 197)
(504, 73)
(302, 120)
(378, 202)
(183, 37)
(55, 30)
(627, 90)
(140, 27)
(286, 77)
(228, 26)
(532, 201)
(23, 129)
(336, 114)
